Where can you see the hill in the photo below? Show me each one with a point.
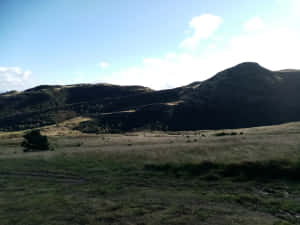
(242, 96)
(44, 105)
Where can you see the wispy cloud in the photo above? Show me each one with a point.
(203, 27)
(14, 78)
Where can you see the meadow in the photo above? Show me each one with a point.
(227, 177)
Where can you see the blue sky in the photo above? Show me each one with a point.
(158, 43)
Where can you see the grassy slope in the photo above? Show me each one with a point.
(150, 178)
(245, 95)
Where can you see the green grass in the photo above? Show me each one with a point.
(262, 170)
(114, 192)
(239, 180)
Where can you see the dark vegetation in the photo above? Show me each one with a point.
(261, 170)
(228, 133)
(246, 95)
(34, 141)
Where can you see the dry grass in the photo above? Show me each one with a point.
(261, 143)
(101, 179)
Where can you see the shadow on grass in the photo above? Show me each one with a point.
(249, 170)
(226, 134)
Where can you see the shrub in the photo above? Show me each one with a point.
(225, 134)
(34, 141)
(221, 134)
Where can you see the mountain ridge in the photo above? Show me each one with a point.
(241, 96)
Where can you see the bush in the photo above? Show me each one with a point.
(34, 141)
(225, 134)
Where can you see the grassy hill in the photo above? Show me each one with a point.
(44, 105)
(231, 176)
(243, 96)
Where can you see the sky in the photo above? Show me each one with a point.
(159, 43)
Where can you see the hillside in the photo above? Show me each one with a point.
(242, 96)
(44, 105)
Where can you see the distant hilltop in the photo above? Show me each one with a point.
(245, 95)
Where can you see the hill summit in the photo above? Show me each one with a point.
(242, 96)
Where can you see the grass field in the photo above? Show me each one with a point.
(245, 176)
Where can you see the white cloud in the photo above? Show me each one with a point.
(14, 78)
(254, 24)
(104, 65)
(166, 72)
(274, 47)
(203, 27)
